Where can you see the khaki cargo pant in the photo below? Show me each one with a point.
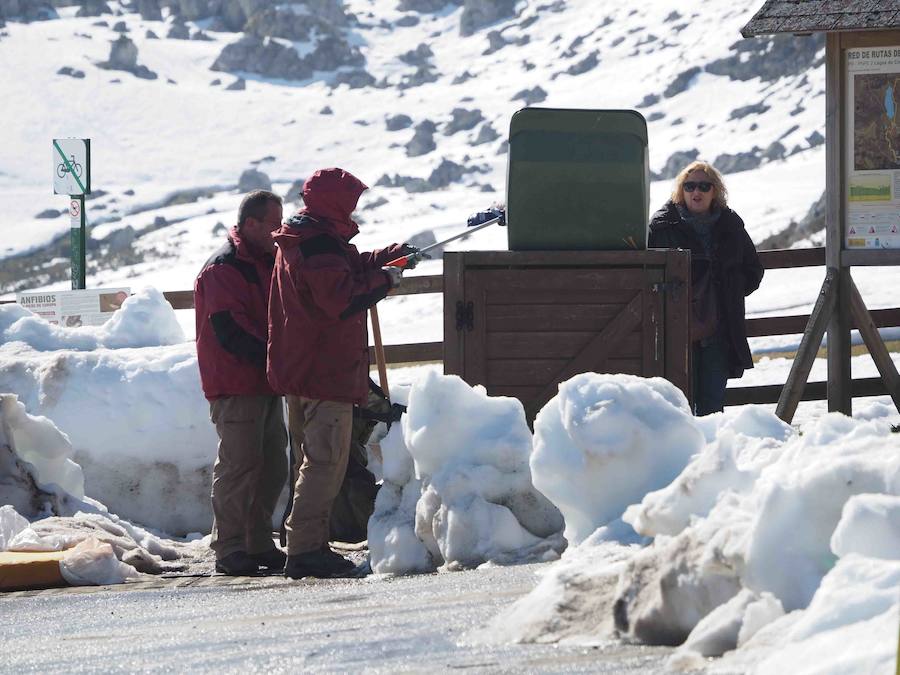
(321, 434)
(249, 473)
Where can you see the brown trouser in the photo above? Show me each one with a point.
(249, 473)
(321, 434)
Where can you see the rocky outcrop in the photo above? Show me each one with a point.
(811, 224)
(530, 96)
(263, 56)
(253, 179)
(422, 141)
(681, 82)
(398, 122)
(478, 14)
(770, 58)
(462, 120)
(425, 6)
(123, 55)
(27, 10)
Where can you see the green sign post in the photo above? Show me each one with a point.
(72, 176)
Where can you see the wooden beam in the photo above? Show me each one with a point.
(839, 398)
(809, 346)
(875, 344)
(880, 258)
(411, 353)
(792, 257)
(813, 391)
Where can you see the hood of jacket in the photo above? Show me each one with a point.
(331, 195)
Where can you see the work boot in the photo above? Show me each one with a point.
(237, 564)
(273, 559)
(323, 563)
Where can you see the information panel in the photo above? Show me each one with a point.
(873, 148)
(90, 307)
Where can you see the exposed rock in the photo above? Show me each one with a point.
(753, 109)
(586, 64)
(333, 52)
(150, 35)
(407, 21)
(414, 185)
(120, 27)
(239, 84)
(422, 75)
(648, 100)
(179, 31)
(477, 14)
(123, 56)
(769, 58)
(398, 122)
(422, 141)
(530, 96)
(486, 134)
(814, 139)
(120, 240)
(676, 162)
(681, 82)
(462, 120)
(497, 41)
(200, 36)
(71, 72)
(27, 11)
(253, 179)
(445, 173)
(295, 192)
(49, 213)
(93, 8)
(326, 110)
(503, 148)
(775, 151)
(742, 161)
(464, 76)
(425, 6)
(149, 10)
(419, 56)
(812, 223)
(265, 57)
(355, 79)
(658, 115)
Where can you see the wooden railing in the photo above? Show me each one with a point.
(756, 327)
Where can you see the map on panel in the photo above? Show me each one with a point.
(876, 127)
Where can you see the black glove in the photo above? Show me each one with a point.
(414, 256)
(483, 216)
(394, 276)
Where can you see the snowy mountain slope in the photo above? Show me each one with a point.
(703, 89)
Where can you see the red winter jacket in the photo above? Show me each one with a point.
(321, 288)
(230, 297)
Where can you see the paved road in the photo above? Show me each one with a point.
(221, 624)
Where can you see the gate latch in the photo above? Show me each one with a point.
(667, 286)
(465, 315)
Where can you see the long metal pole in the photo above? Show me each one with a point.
(78, 240)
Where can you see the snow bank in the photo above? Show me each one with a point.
(774, 547)
(145, 319)
(457, 489)
(605, 441)
(134, 413)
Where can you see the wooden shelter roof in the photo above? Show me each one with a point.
(823, 16)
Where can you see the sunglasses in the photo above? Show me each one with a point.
(703, 186)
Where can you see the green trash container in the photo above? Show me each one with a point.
(577, 180)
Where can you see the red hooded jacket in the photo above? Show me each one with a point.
(321, 288)
(230, 296)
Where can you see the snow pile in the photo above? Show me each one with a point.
(605, 441)
(134, 413)
(457, 489)
(145, 319)
(781, 546)
(64, 521)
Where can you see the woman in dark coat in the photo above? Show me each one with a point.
(724, 270)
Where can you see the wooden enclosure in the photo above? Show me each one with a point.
(520, 322)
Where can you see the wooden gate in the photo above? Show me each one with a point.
(520, 323)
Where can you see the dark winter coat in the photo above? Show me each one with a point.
(736, 270)
(321, 288)
(230, 297)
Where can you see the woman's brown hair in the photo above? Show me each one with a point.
(720, 199)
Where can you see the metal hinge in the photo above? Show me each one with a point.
(465, 315)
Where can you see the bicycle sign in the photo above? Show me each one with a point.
(71, 166)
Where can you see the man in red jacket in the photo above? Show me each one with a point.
(318, 352)
(231, 297)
